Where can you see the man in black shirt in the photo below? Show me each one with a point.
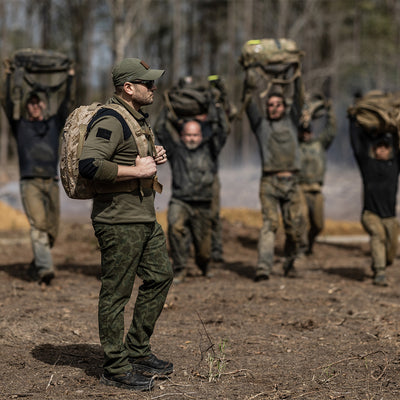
(378, 159)
(194, 163)
(37, 136)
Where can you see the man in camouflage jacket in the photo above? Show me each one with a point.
(312, 172)
(276, 134)
(194, 165)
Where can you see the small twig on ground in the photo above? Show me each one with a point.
(359, 357)
(380, 375)
(211, 346)
(340, 323)
(174, 394)
(181, 393)
(172, 383)
(305, 394)
(236, 372)
(51, 378)
(58, 359)
(257, 395)
(383, 372)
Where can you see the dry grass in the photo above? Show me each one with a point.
(12, 219)
(253, 218)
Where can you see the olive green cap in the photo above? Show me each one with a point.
(132, 69)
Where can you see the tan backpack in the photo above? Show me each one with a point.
(73, 138)
(277, 62)
(377, 111)
(44, 72)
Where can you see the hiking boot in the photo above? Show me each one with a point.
(129, 380)
(205, 271)
(217, 259)
(179, 276)
(46, 277)
(289, 270)
(261, 277)
(152, 365)
(380, 279)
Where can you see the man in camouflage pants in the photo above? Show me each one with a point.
(280, 156)
(378, 158)
(130, 239)
(194, 165)
(311, 177)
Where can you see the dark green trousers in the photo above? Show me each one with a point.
(189, 221)
(216, 226)
(128, 250)
(282, 194)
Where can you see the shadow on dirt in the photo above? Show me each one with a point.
(88, 357)
(88, 270)
(240, 269)
(347, 246)
(355, 274)
(20, 270)
(17, 270)
(249, 242)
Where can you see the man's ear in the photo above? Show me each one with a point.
(128, 88)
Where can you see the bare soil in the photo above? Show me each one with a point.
(328, 334)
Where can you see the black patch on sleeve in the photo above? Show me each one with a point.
(108, 111)
(103, 133)
(87, 169)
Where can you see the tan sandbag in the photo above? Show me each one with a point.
(377, 111)
(44, 72)
(270, 51)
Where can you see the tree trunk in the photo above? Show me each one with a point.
(176, 40)
(282, 19)
(4, 126)
(45, 18)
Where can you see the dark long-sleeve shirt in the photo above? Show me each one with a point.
(38, 141)
(380, 177)
(277, 139)
(193, 170)
(313, 159)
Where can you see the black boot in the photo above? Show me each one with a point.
(152, 365)
(129, 380)
(289, 270)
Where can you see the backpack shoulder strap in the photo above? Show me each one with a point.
(142, 138)
(105, 111)
(132, 127)
(129, 125)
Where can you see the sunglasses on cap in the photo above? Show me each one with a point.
(149, 84)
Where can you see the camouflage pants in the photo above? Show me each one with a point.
(284, 194)
(41, 201)
(315, 219)
(383, 234)
(216, 228)
(128, 250)
(189, 221)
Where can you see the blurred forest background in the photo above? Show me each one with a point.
(349, 45)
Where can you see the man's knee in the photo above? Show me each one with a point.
(40, 236)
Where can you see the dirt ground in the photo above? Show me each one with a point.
(328, 334)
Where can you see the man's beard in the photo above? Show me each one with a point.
(192, 146)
